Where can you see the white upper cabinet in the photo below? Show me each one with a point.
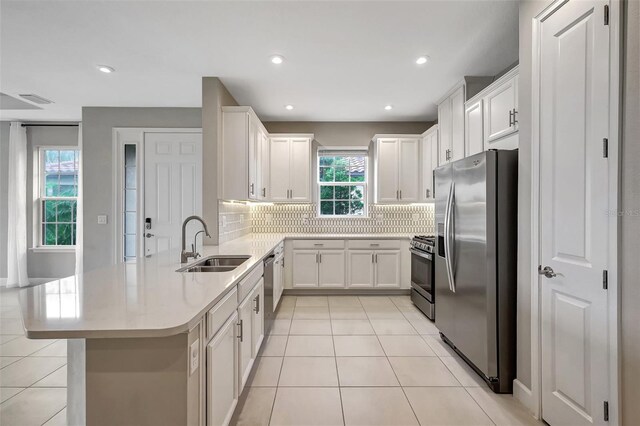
(397, 169)
(451, 126)
(501, 110)
(491, 116)
(243, 158)
(290, 168)
(263, 162)
(429, 155)
(473, 132)
(444, 130)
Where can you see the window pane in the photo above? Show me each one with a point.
(49, 211)
(49, 234)
(130, 200)
(130, 223)
(342, 207)
(64, 212)
(326, 174)
(64, 234)
(342, 192)
(51, 184)
(326, 161)
(326, 207)
(357, 192)
(342, 174)
(130, 246)
(60, 173)
(129, 155)
(357, 208)
(130, 177)
(326, 192)
(342, 161)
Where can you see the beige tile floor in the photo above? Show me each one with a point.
(33, 373)
(348, 360)
(341, 360)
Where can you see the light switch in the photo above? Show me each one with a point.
(194, 357)
(102, 219)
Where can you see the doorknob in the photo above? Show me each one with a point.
(547, 271)
(149, 235)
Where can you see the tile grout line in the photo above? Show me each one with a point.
(335, 362)
(392, 369)
(58, 412)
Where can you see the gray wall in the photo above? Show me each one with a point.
(97, 127)
(40, 265)
(630, 221)
(339, 133)
(214, 97)
(4, 194)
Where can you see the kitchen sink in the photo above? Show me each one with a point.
(215, 264)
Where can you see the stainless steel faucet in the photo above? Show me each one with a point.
(184, 254)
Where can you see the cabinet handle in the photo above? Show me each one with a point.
(374, 245)
(376, 256)
(320, 257)
(317, 258)
(397, 194)
(252, 189)
(318, 244)
(428, 193)
(510, 117)
(264, 192)
(514, 116)
(241, 325)
(256, 307)
(401, 194)
(372, 261)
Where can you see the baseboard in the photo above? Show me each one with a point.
(524, 395)
(345, 292)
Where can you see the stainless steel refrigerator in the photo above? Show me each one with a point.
(475, 262)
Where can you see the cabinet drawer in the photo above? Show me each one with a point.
(374, 244)
(250, 281)
(217, 316)
(318, 244)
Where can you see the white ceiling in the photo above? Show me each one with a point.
(344, 60)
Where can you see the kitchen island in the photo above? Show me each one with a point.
(138, 333)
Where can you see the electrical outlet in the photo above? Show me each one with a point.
(305, 219)
(102, 219)
(194, 357)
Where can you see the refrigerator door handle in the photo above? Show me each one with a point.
(448, 218)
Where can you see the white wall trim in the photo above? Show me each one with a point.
(615, 35)
(524, 395)
(132, 136)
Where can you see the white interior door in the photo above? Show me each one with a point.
(574, 115)
(172, 188)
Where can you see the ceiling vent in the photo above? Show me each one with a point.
(10, 103)
(36, 99)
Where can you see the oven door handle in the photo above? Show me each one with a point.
(427, 256)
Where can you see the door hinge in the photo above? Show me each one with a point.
(605, 279)
(605, 147)
(606, 411)
(606, 14)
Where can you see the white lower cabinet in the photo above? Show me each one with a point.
(331, 268)
(374, 268)
(257, 327)
(222, 374)
(318, 268)
(361, 272)
(305, 268)
(245, 317)
(387, 268)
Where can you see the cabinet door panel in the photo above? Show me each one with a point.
(245, 314)
(360, 268)
(387, 268)
(409, 170)
(434, 162)
(305, 268)
(457, 125)
(429, 156)
(444, 131)
(498, 103)
(474, 133)
(257, 327)
(331, 271)
(263, 166)
(222, 374)
(387, 171)
(279, 169)
(300, 166)
(254, 159)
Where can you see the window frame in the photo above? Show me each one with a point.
(337, 152)
(40, 198)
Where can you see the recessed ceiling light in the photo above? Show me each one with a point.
(277, 59)
(388, 107)
(422, 60)
(289, 107)
(105, 69)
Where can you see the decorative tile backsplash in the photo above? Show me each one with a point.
(234, 220)
(302, 218)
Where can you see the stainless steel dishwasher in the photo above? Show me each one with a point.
(268, 293)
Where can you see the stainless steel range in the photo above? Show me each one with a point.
(422, 248)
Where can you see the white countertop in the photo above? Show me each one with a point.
(147, 298)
